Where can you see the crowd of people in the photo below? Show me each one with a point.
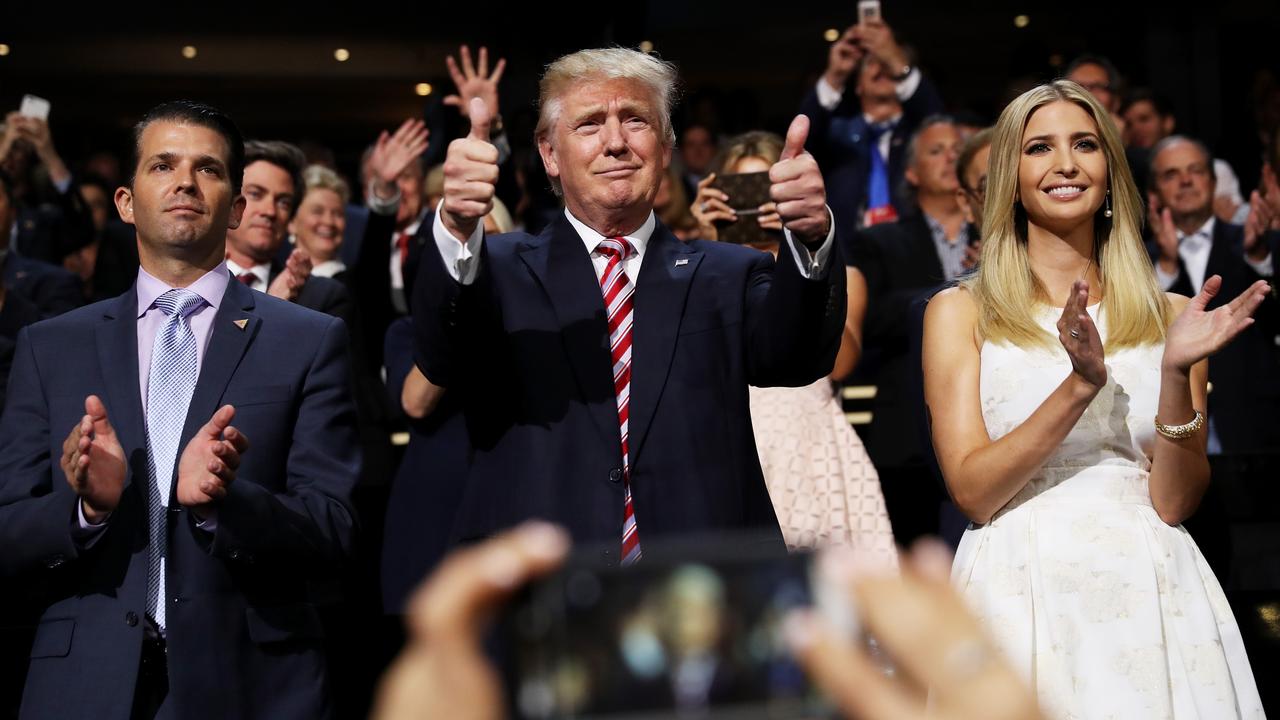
(218, 339)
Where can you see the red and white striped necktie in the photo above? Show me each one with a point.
(617, 291)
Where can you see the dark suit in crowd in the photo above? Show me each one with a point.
(526, 345)
(243, 636)
(52, 289)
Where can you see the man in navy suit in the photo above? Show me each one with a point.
(176, 582)
(1190, 245)
(567, 422)
(859, 133)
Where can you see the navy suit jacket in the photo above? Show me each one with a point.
(526, 346)
(244, 639)
(1245, 401)
(52, 289)
(840, 142)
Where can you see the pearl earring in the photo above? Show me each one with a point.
(1107, 212)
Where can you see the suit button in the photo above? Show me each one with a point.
(615, 475)
(131, 618)
(234, 554)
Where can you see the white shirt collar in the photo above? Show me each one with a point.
(1205, 231)
(639, 238)
(261, 271)
(328, 268)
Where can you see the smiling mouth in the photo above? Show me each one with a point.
(618, 172)
(1065, 192)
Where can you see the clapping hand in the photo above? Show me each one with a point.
(797, 188)
(470, 176)
(208, 464)
(1079, 335)
(1198, 333)
(474, 81)
(297, 269)
(1261, 216)
(93, 461)
(393, 152)
(1161, 223)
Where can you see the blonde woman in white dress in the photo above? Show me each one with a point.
(824, 488)
(1066, 396)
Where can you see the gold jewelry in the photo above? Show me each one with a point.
(1181, 432)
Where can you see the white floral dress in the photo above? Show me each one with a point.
(1106, 610)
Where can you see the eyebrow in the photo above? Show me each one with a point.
(263, 188)
(1074, 136)
(171, 157)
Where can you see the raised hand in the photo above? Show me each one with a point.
(1270, 195)
(842, 58)
(297, 270)
(1261, 215)
(709, 206)
(1161, 224)
(93, 461)
(876, 37)
(393, 152)
(474, 81)
(36, 132)
(209, 462)
(797, 187)
(1198, 333)
(1080, 337)
(470, 176)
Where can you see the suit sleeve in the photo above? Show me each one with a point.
(793, 324)
(453, 322)
(35, 517)
(312, 521)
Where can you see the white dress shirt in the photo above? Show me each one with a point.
(261, 274)
(1194, 251)
(829, 98)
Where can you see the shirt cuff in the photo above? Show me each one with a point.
(380, 206)
(812, 264)
(828, 97)
(908, 86)
(1164, 279)
(85, 532)
(462, 260)
(1263, 266)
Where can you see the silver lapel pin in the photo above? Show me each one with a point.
(682, 261)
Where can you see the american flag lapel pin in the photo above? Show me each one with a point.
(682, 261)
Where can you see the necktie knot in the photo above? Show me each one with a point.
(179, 302)
(615, 247)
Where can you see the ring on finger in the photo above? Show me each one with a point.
(1075, 333)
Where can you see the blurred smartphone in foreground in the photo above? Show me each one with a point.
(747, 192)
(34, 107)
(868, 10)
(692, 630)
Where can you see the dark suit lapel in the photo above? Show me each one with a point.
(665, 277)
(117, 341)
(559, 261)
(227, 343)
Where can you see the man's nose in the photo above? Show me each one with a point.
(614, 142)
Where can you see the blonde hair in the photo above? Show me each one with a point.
(319, 177)
(754, 144)
(615, 63)
(1005, 287)
(501, 216)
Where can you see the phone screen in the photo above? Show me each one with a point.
(868, 10)
(697, 632)
(34, 107)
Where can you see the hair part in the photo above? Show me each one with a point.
(1137, 311)
(757, 143)
(286, 156)
(615, 63)
(190, 112)
(319, 177)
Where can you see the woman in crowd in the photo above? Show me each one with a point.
(823, 486)
(321, 218)
(1066, 395)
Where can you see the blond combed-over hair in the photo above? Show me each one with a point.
(615, 63)
(1008, 292)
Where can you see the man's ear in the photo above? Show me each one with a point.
(912, 176)
(124, 203)
(237, 212)
(548, 158)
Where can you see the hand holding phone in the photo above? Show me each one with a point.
(34, 107)
(868, 10)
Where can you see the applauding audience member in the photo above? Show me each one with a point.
(1189, 245)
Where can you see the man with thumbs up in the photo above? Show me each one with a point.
(176, 556)
(603, 365)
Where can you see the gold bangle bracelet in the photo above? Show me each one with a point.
(1180, 432)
